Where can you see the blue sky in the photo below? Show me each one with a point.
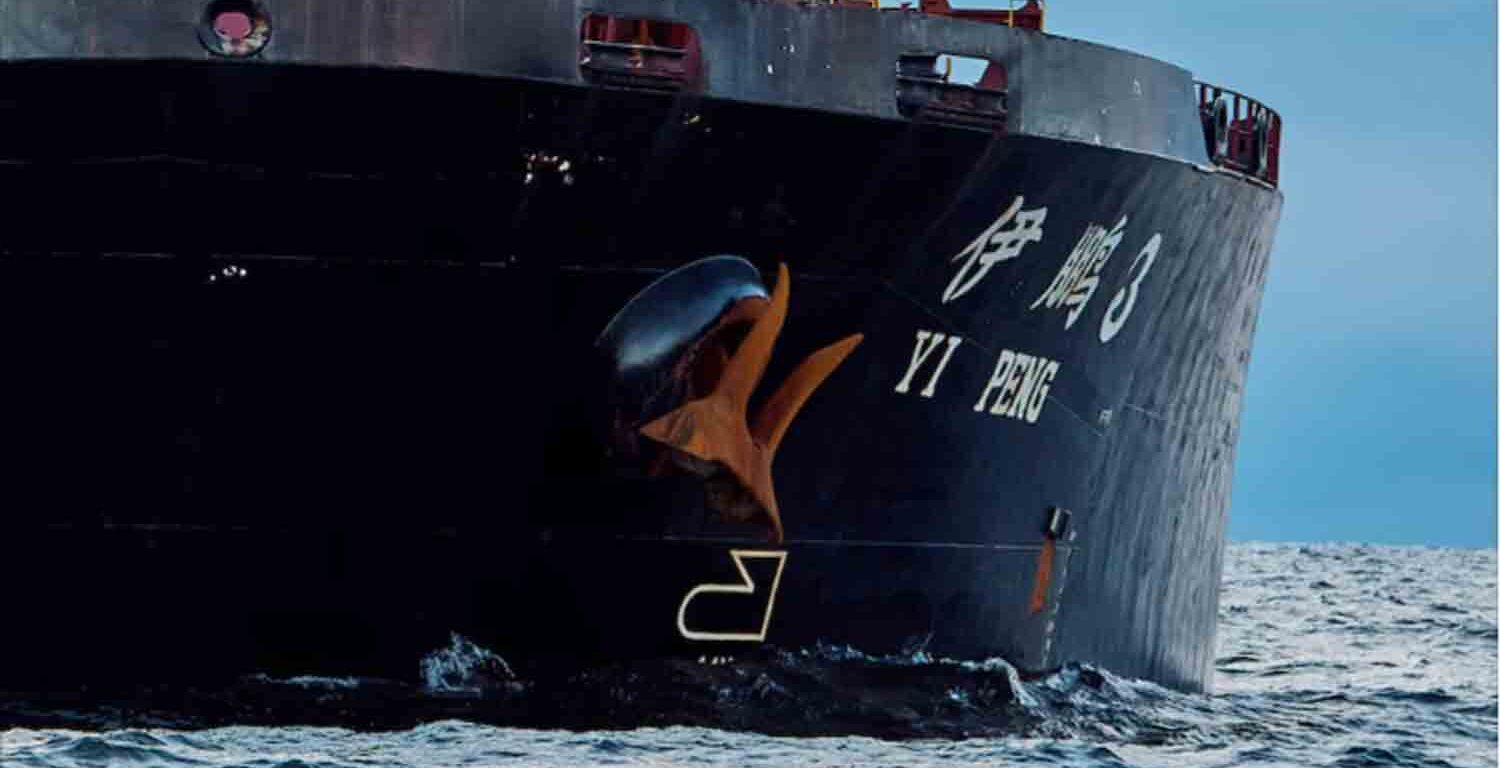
(1370, 410)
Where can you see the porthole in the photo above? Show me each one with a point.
(235, 28)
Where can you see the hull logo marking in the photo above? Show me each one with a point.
(746, 586)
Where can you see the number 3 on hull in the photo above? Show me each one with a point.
(1124, 301)
(747, 586)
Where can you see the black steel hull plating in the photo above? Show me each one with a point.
(302, 382)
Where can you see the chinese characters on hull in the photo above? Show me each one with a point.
(1020, 382)
(1002, 241)
(1076, 282)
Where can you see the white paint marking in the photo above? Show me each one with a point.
(1022, 382)
(1123, 303)
(1078, 278)
(927, 341)
(746, 587)
(1002, 241)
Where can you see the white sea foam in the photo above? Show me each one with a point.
(463, 667)
(1328, 655)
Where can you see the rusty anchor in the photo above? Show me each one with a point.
(714, 434)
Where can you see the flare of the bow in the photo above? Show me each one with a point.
(717, 427)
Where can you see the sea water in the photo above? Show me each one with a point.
(1328, 655)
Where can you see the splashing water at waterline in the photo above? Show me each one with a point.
(1328, 655)
(463, 667)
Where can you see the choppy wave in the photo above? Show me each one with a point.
(1330, 655)
(464, 667)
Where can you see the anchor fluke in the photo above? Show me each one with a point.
(716, 429)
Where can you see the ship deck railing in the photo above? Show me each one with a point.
(1239, 132)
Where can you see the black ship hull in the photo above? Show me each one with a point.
(305, 374)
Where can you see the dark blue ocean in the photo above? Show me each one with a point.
(1328, 655)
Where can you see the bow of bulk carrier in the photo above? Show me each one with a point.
(599, 329)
